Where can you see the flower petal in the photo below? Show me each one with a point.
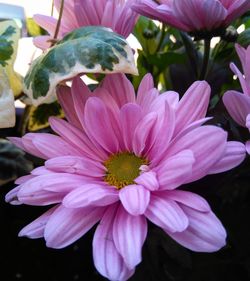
(36, 228)
(175, 170)
(135, 199)
(193, 105)
(100, 129)
(107, 260)
(129, 234)
(208, 144)
(130, 116)
(76, 165)
(166, 213)
(148, 180)
(65, 226)
(234, 155)
(120, 88)
(189, 199)
(205, 232)
(238, 106)
(91, 195)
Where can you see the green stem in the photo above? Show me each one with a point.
(59, 21)
(163, 33)
(205, 63)
(52, 8)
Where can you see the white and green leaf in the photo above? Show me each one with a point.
(91, 49)
(7, 107)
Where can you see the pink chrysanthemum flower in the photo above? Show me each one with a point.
(193, 15)
(238, 104)
(119, 159)
(115, 14)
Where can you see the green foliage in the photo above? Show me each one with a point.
(6, 45)
(89, 49)
(39, 116)
(12, 162)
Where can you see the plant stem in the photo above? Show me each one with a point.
(163, 33)
(205, 63)
(59, 20)
(52, 8)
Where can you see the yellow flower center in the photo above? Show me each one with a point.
(123, 168)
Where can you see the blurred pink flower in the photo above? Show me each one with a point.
(193, 15)
(119, 159)
(238, 104)
(115, 14)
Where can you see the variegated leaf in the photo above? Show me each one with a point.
(91, 49)
(7, 108)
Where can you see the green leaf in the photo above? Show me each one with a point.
(7, 108)
(12, 162)
(91, 49)
(39, 116)
(9, 36)
(244, 38)
(6, 48)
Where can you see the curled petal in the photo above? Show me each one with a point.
(135, 199)
(234, 155)
(205, 232)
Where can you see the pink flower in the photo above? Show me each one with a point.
(115, 14)
(193, 15)
(238, 104)
(120, 159)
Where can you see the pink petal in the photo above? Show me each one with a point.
(185, 9)
(238, 106)
(11, 196)
(91, 195)
(166, 213)
(66, 101)
(208, 144)
(76, 165)
(130, 116)
(46, 22)
(234, 155)
(76, 138)
(129, 234)
(193, 105)
(80, 94)
(148, 180)
(120, 88)
(174, 171)
(163, 134)
(107, 259)
(147, 83)
(65, 226)
(100, 129)
(143, 133)
(42, 42)
(36, 228)
(248, 147)
(241, 77)
(188, 199)
(52, 146)
(135, 199)
(205, 232)
(23, 179)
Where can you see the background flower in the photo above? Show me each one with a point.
(238, 104)
(115, 14)
(193, 15)
(119, 160)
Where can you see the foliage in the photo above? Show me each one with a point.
(85, 50)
